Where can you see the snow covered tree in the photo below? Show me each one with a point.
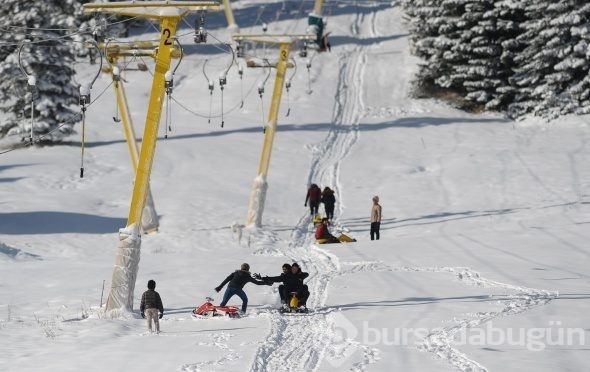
(508, 15)
(424, 22)
(525, 56)
(473, 56)
(576, 63)
(539, 77)
(48, 57)
(462, 42)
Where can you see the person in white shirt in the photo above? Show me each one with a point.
(375, 218)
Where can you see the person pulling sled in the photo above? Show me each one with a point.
(237, 280)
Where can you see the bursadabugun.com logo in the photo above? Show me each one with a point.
(534, 338)
(344, 338)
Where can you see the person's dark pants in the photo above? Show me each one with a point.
(314, 206)
(329, 211)
(304, 295)
(375, 230)
(333, 239)
(229, 292)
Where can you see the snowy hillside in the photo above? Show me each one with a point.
(483, 257)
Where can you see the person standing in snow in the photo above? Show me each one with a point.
(237, 280)
(151, 303)
(314, 195)
(375, 218)
(329, 200)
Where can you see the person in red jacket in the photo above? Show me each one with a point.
(322, 232)
(314, 196)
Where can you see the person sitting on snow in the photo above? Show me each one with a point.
(300, 275)
(322, 234)
(291, 283)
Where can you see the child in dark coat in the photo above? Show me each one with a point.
(151, 303)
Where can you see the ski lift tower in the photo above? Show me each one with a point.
(229, 16)
(112, 53)
(169, 13)
(260, 185)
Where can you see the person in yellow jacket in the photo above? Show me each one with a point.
(375, 218)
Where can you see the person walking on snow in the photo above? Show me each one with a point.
(329, 200)
(237, 280)
(151, 303)
(375, 218)
(314, 195)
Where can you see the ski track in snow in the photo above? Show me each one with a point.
(303, 341)
(300, 342)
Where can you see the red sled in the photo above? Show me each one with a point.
(208, 310)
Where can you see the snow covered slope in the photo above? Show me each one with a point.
(481, 265)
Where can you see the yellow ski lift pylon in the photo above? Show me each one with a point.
(259, 186)
(112, 53)
(169, 13)
(229, 17)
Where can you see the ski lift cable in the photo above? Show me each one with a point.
(76, 117)
(116, 75)
(84, 100)
(169, 85)
(211, 86)
(261, 92)
(12, 27)
(297, 19)
(241, 73)
(288, 85)
(46, 39)
(223, 79)
(72, 119)
(116, 72)
(189, 110)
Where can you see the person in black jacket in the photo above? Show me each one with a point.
(151, 303)
(291, 283)
(329, 201)
(304, 295)
(237, 280)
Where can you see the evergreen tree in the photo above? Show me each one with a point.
(540, 77)
(525, 56)
(475, 64)
(48, 57)
(577, 63)
(425, 19)
(508, 16)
